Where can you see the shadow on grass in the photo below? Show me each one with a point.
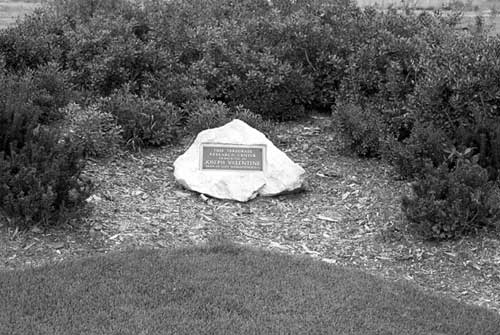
(222, 288)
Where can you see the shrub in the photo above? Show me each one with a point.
(205, 114)
(458, 92)
(106, 54)
(28, 100)
(39, 183)
(52, 90)
(39, 169)
(381, 69)
(272, 88)
(96, 132)
(425, 146)
(360, 128)
(494, 142)
(35, 41)
(381, 75)
(460, 83)
(237, 74)
(384, 66)
(175, 84)
(312, 38)
(145, 121)
(484, 139)
(18, 115)
(448, 203)
(254, 120)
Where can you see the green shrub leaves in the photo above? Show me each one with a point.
(402, 86)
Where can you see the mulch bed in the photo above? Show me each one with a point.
(349, 215)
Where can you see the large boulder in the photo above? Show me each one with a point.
(236, 162)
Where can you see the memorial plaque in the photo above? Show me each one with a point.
(236, 162)
(232, 157)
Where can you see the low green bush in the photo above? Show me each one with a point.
(39, 168)
(314, 39)
(175, 84)
(278, 60)
(205, 114)
(458, 92)
(145, 121)
(105, 54)
(96, 132)
(18, 115)
(272, 88)
(449, 203)
(52, 90)
(409, 157)
(254, 120)
(35, 41)
(484, 139)
(236, 74)
(380, 78)
(459, 81)
(381, 69)
(360, 128)
(39, 183)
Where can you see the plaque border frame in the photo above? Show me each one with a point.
(231, 145)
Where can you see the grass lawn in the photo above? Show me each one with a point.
(11, 10)
(222, 289)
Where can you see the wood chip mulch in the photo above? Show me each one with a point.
(349, 215)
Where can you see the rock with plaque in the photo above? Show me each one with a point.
(236, 162)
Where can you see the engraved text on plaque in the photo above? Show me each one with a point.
(226, 157)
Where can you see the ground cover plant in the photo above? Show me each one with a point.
(222, 289)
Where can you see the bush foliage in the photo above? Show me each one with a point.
(145, 121)
(39, 167)
(96, 132)
(205, 114)
(400, 85)
(450, 203)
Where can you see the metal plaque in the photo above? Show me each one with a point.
(232, 157)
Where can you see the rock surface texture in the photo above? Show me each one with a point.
(279, 173)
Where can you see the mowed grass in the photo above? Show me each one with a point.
(11, 10)
(222, 289)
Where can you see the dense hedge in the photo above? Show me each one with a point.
(408, 87)
(425, 96)
(276, 60)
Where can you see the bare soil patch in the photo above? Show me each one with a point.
(349, 215)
